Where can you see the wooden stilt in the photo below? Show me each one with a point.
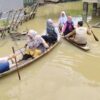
(94, 9)
(85, 10)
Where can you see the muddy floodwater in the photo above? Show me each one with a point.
(66, 73)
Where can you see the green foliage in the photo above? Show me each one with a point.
(3, 23)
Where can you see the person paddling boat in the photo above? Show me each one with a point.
(79, 34)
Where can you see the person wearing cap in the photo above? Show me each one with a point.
(62, 20)
(52, 32)
(79, 34)
(68, 27)
(35, 45)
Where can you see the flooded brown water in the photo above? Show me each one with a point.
(66, 73)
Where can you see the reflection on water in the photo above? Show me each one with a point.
(66, 72)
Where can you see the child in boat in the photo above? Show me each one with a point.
(68, 27)
(79, 34)
(62, 20)
(5, 63)
(35, 45)
(52, 32)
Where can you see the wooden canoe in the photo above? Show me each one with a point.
(24, 63)
(83, 47)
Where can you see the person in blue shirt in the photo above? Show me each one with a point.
(5, 63)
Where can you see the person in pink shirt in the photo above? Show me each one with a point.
(68, 27)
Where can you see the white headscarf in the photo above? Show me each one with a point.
(34, 41)
(32, 33)
(62, 19)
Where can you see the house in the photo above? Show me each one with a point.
(96, 7)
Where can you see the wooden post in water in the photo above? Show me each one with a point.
(94, 9)
(85, 10)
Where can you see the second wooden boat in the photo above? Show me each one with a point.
(83, 47)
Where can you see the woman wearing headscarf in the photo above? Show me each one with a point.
(35, 44)
(62, 20)
(68, 27)
(52, 32)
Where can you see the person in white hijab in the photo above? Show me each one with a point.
(34, 40)
(62, 20)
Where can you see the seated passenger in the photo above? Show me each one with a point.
(79, 34)
(62, 20)
(69, 27)
(35, 45)
(52, 32)
(5, 63)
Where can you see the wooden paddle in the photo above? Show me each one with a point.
(16, 64)
(92, 32)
